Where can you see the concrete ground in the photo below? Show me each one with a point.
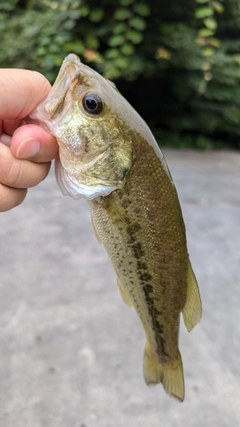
(71, 350)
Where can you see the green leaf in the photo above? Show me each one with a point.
(96, 15)
(41, 51)
(125, 2)
(48, 62)
(121, 62)
(142, 9)
(116, 40)
(167, 29)
(210, 23)
(214, 42)
(205, 32)
(138, 23)
(119, 28)
(7, 7)
(61, 38)
(84, 10)
(91, 42)
(202, 1)
(58, 59)
(75, 4)
(112, 73)
(218, 7)
(74, 46)
(53, 48)
(206, 66)
(121, 14)
(134, 36)
(203, 12)
(208, 51)
(111, 53)
(236, 57)
(69, 24)
(45, 40)
(128, 49)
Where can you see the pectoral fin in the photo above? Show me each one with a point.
(95, 232)
(192, 311)
(124, 294)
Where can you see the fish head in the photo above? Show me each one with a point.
(83, 112)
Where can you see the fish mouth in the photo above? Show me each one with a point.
(46, 113)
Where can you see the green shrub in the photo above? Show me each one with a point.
(177, 62)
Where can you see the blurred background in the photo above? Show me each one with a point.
(176, 62)
(70, 350)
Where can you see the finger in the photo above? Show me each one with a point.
(22, 91)
(11, 197)
(6, 139)
(20, 173)
(8, 126)
(33, 142)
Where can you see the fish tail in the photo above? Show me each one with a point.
(170, 374)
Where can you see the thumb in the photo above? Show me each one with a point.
(34, 143)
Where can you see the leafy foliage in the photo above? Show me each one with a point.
(177, 62)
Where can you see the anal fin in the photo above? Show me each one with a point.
(192, 311)
(124, 294)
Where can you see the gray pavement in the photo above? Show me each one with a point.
(71, 351)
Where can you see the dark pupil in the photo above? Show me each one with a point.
(92, 103)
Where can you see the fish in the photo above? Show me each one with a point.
(109, 156)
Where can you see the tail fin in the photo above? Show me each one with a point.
(170, 374)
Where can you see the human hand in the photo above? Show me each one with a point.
(25, 151)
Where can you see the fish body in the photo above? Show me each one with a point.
(108, 155)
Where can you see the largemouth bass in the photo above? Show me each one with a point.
(108, 155)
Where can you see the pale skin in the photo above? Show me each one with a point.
(25, 151)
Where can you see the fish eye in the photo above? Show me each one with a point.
(92, 103)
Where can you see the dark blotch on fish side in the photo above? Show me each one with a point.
(154, 314)
(145, 277)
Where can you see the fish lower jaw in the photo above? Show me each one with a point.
(70, 186)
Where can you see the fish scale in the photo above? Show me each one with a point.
(109, 156)
(144, 243)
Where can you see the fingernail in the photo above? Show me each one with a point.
(28, 149)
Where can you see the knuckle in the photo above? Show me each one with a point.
(13, 173)
(11, 168)
(20, 173)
